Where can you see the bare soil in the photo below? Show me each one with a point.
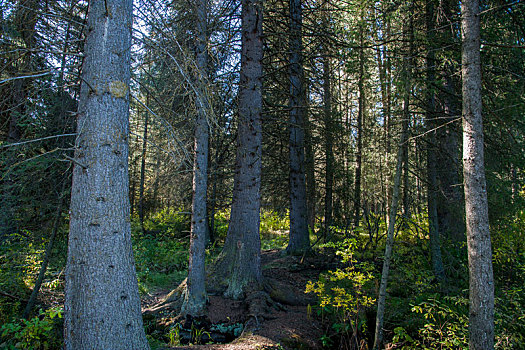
(283, 321)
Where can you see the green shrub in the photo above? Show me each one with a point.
(39, 332)
(222, 219)
(272, 222)
(174, 223)
(344, 294)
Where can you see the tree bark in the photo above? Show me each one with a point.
(450, 201)
(481, 280)
(143, 166)
(102, 304)
(360, 119)
(432, 188)
(238, 267)
(329, 153)
(299, 236)
(311, 194)
(381, 301)
(407, 91)
(195, 295)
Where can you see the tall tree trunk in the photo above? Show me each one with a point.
(299, 235)
(329, 153)
(432, 188)
(195, 296)
(450, 201)
(381, 300)
(407, 91)
(102, 304)
(481, 280)
(239, 264)
(311, 194)
(143, 167)
(360, 120)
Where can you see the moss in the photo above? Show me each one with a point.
(118, 89)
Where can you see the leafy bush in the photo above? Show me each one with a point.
(222, 218)
(344, 294)
(40, 332)
(273, 222)
(174, 223)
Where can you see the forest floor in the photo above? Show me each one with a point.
(286, 322)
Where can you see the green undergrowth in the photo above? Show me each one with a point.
(43, 331)
(20, 261)
(161, 251)
(420, 313)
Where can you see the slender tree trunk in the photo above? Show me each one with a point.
(407, 83)
(311, 195)
(155, 195)
(102, 304)
(481, 280)
(360, 119)
(381, 52)
(299, 235)
(381, 300)
(195, 296)
(47, 254)
(329, 153)
(388, 114)
(143, 167)
(239, 265)
(432, 188)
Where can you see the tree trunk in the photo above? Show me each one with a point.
(195, 295)
(102, 304)
(329, 153)
(407, 91)
(450, 202)
(360, 119)
(299, 235)
(433, 228)
(311, 195)
(239, 265)
(143, 167)
(381, 301)
(481, 280)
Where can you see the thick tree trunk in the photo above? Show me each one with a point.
(239, 264)
(102, 304)
(195, 295)
(481, 280)
(299, 235)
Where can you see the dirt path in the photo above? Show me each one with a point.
(286, 323)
